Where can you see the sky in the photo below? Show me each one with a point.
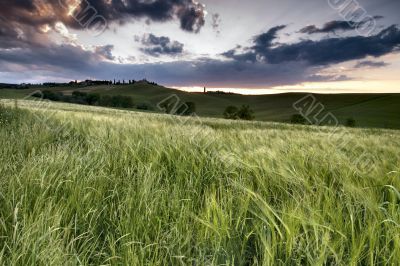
(251, 47)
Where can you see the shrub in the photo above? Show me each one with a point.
(84, 98)
(231, 112)
(169, 106)
(79, 94)
(53, 96)
(105, 100)
(350, 122)
(122, 101)
(116, 101)
(191, 108)
(93, 99)
(186, 109)
(298, 119)
(245, 113)
(144, 106)
(37, 95)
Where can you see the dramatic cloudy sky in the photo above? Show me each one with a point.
(255, 46)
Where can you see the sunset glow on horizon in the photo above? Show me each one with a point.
(319, 88)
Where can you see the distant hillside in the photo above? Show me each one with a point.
(368, 110)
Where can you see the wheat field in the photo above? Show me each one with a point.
(94, 186)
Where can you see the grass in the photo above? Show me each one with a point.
(93, 186)
(368, 110)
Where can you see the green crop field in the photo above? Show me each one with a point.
(368, 110)
(83, 185)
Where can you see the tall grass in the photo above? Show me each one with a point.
(121, 188)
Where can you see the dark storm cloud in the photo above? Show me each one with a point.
(192, 18)
(262, 43)
(26, 47)
(372, 64)
(190, 13)
(331, 26)
(264, 64)
(336, 25)
(156, 46)
(72, 62)
(36, 13)
(321, 52)
(265, 39)
(52, 57)
(16, 35)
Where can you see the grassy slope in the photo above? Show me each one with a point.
(369, 110)
(115, 187)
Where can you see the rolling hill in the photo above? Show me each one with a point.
(368, 110)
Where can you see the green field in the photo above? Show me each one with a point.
(84, 185)
(368, 110)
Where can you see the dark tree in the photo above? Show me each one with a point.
(79, 94)
(105, 100)
(49, 95)
(117, 101)
(350, 122)
(245, 113)
(298, 119)
(231, 112)
(186, 109)
(93, 99)
(144, 106)
(169, 106)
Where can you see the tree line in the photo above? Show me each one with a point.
(90, 82)
(301, 120)
(242, 113)
(84, 98)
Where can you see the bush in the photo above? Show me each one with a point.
(84, 98)
(53, 96)
(174, 106)
(93, 99)
(105, 100)
(168, 105)
(144, 106)
(245, 113)
(231, 112)
(298, 119)
(186, 109)
(79, 94)
(122, 101)
(116, 101)
(191, 108)
(37, 95)
(350, 122)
